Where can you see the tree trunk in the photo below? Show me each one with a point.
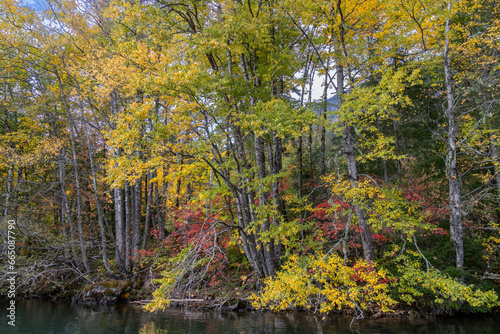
(77, 179)
(455, 200)
(8, 191)
(119, 229)
(323, 127)
(261, 174)
(136, 225)
(494, 156)
(159, 214)
(276, 169)
(78, 198)
(149, 195)
(120, 250)
(128, 239)
(347, 137)
(100, 212)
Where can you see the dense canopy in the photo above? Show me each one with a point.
(319, 154)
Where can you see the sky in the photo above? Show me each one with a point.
(35, 4)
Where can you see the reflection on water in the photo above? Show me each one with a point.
(34, 316)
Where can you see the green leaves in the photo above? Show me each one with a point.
(277, 116)
(433, 288)
(368, 107)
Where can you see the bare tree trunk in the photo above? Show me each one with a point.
(323, 115)
(310, 145)
(396, 147)
(79, 203)
(77, 179)
(494, 156)
(136, 226)
(159, 215)
(119, 229)
(261, 174)
(455, 199)
(128, 240)
(100, 212)
(120, 251)
(309, 100)
(149, 195)
(8, 192)
(347, 136)
(276, 169)
(301, 139)
(386, 175)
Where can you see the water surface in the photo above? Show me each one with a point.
(35, 316)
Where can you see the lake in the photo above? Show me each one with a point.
(35, 316)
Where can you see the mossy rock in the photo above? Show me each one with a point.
(107, 292)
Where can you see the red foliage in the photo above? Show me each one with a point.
(361, 268)
(426, 193)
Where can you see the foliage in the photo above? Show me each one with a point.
(434, 289)
(190, 136)
(325, 283)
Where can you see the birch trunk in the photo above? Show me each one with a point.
(455, 199)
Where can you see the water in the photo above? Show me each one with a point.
(42, 317)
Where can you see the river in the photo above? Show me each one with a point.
(35, 316)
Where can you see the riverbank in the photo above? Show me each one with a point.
(129, 292)
(39, 316)
(229, 295)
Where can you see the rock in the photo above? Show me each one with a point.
(234, 305)
(108, 292)
(413, 314)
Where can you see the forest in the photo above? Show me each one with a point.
(300, 155)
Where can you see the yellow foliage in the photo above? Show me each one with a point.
(325, 283)
(385, 206)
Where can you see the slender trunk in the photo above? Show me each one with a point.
(301, 139)
(309, 100)
(386, 175)
(119, 229)
(323, 127)
(396, 146)
(277, 166)
(299, 158)
(249, 240)
(347, 136)
(159, 214)
(211, 187)
(455, 200)
(120, 251)
(100, 212)
(149, 195)
(128, 216)
(8, 192)
(136, 225)
(78, 199)
(77, 179)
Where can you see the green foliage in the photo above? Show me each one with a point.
(432, 288)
